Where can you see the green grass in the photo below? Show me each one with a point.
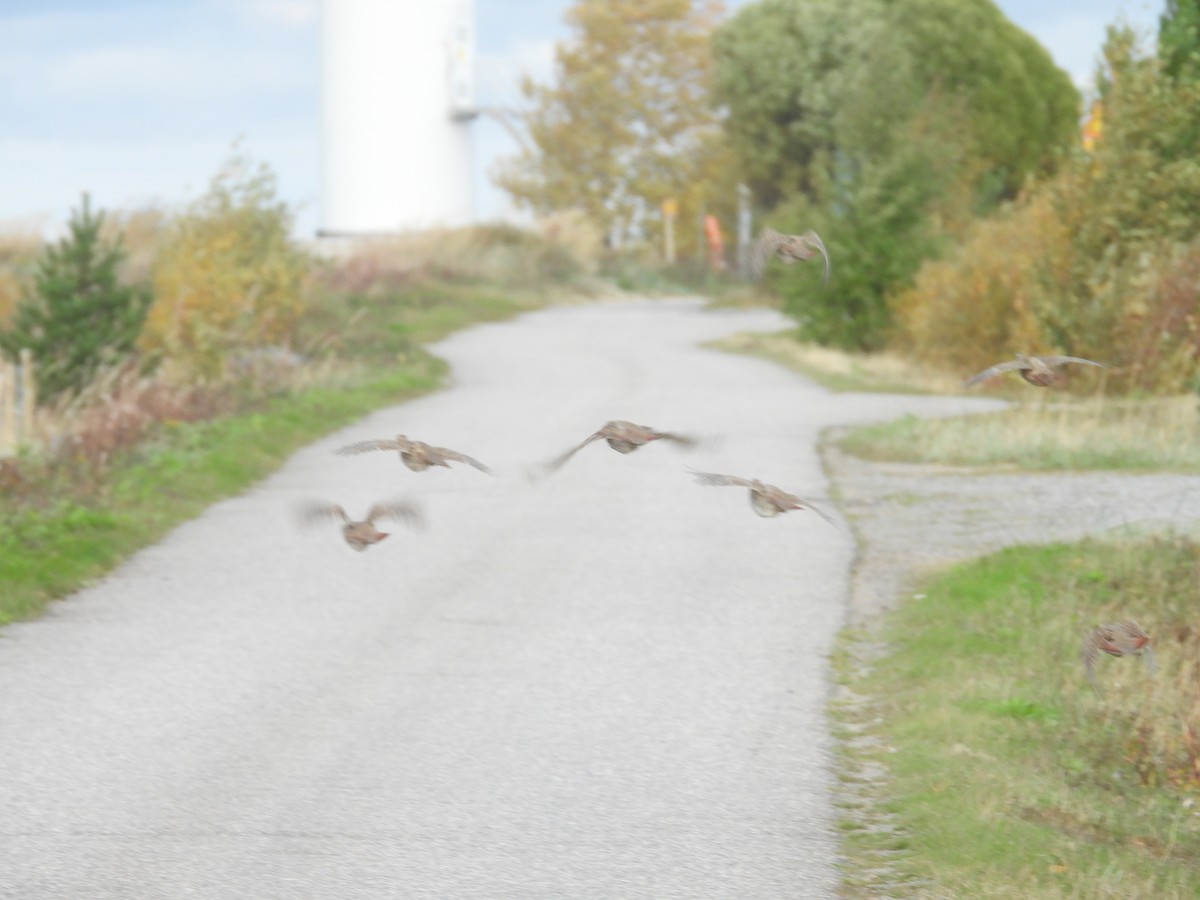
(46, 553)
(1005, 775)
(1143, 434)
(54, 546)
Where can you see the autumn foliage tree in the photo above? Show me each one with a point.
(626, 122)
(1101, 260)
(228, 275)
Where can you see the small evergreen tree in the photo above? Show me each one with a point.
(78, 316)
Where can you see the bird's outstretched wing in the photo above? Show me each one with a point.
(713, 480)
(558, 462)
(315, 511)
(683, 440)
(368, 446)
(820, 512)
(1008, 366)
(769, 241)
(814, 240)
(399, 510)
(463, 458)
(1060, 360)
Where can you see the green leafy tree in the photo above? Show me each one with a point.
(1179, 38)
(78, 316)
(785, 70)
(626, 122)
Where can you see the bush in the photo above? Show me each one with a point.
(228, 277)
(1099, 261)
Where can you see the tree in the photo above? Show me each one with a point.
(78, 317)
(626, 123)
(872, 121)
(228, 275)
(784, 69)
(1179, 38)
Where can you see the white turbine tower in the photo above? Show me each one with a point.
(397, 99)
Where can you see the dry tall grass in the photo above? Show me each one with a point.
(841, 370)
(1048, 433)
(558, 248)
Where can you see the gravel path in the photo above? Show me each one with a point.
(912, 519)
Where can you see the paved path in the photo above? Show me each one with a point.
(607, 684)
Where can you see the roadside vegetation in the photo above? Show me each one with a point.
(237, 346)
(842, 370)
(978, 761)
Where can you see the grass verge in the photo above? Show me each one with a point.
(978, 761)
(1096, 433)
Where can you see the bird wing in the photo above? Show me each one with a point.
(314, 511)
(683, 440)
(713, 480)
(368, 446)
(995, 370)
(463, 458)
(399, 510)
(820, 512)
(1091, 650)
(1060, 360)
(1149, 660)
(559, 461)
(761, 251)
(815, 240)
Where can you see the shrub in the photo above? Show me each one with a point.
(229, 276)
(1099, 261)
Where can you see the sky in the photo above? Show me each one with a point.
(138, 102)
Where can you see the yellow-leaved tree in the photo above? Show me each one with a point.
(627, 122)
(228, 277)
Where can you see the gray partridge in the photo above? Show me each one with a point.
(1040, 371)
(624, 437)
(1118, 639)
(790, 248)
(416, 455)
(766, 499)
(360, 535)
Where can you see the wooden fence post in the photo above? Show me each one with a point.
(28, 396)
(8, 417)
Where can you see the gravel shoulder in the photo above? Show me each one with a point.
(914, 519)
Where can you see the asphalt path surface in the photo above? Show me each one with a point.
(607, 683)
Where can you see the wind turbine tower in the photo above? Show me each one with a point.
(397, 100)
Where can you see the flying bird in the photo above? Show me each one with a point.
(766, 499)
(1118, 639)
(790, 248)
(416, 455)
(624, 437)
(360, 535)
(1037, 370)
